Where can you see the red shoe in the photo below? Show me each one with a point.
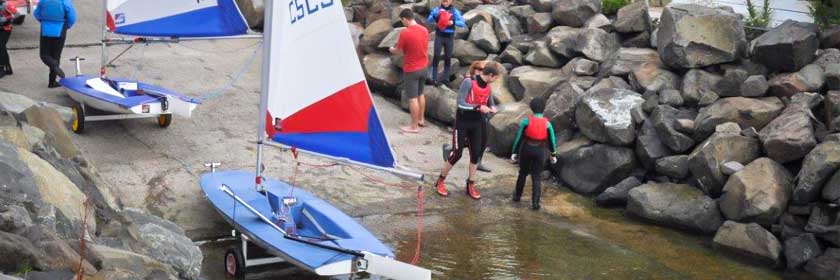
(472, 191)
(441, 186)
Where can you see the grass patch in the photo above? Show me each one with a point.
(611, 7)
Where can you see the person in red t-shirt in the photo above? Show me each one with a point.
(414, 45)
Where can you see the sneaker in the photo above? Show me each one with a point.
(472, 191)
(53, 84)
(440, 185)
(515, 198)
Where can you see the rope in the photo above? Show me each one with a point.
(80, 272)
(236, 77)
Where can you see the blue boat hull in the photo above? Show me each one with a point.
(344, 231)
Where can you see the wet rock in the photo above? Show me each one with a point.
(575, 13)
(705, 161)
(466, 52)
(617, 195)
(527, 82)
(652, 77)
(511, 55)
(759, 193)
(663, 118)
(731, 167)
(633, 18)
(482, 35)
(560, 108)
(585, 67)
(597, 44)
(801, 249)
(787, 47)
(693, 36)
(675, 205)
(381, 74)
(591, 169)
(540, 22)
(818, 166)
(749, 239)
(754, 86)
(599, 21)
(57, 134)
(540, 55)
(746, 112)
(826, 266)
(374, 33)
(503, 127)
(790, 136)
(809, 79)
(120, 264)
(671, 97)
(605, 116)
(696, 82)
(629, 59)
(649, 146)
(673, 166)
(14, 103)
(636, 40)
(730, 84)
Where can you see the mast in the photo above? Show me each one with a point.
(104, 27)
(266, 49)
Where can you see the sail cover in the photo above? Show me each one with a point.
(175, 18)
(318, 99)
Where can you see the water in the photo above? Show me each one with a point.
(569, 239)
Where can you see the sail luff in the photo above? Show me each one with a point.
(264, 88)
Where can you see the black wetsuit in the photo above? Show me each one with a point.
(470, 125)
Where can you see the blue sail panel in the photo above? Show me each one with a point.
(181, 18)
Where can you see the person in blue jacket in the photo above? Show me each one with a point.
(56, 17)
(445, 18)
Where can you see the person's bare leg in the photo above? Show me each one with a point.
(414, 110)
(422, 103)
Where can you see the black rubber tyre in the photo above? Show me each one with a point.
(77, 124)
(164, 120)
(235, 263)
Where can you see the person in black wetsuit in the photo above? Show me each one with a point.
(539, 135)
(474, 102)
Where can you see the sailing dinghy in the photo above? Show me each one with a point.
(315, 100)
(122, 98)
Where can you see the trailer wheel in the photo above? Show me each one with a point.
(78, 122)
(164, 120)
(235, 263)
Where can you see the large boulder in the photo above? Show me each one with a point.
(754, 86)
(540, 55)
(746, 112)
(826, 266)
(506, 26)
(122, 264)
(787, 47)
(653, 77)
(14, 103)
(482, 35)
(19, 252)
(59, 255)
(696, 82)
(675, 205)
(503, 127)
(14, 219)
(560, 108)
(801, 249)
(649, 146)
(600, 21)
(706, 160)
(831, 190)
(633, 18)
(817, 168)
(749, 239)
(808, 79)
(391, 39)
(54, 125)
(790, 136)
(605, 116)
(563, 40)
(524, 12)
(441, 104)
(824, 222)
(542, 6)
(759, 193)
(597, 44)
(528, 82)
(617, 195)
(730, 84)
(467, 52)
(575, 13)
(381, 74)
(591, 169)
(827, 57)
(629, 59)
(165, 241)
(673, 166)
(833, 100)
(374, 33)
(694, 36)
(512, 55)
(539, 22)
(663, 118)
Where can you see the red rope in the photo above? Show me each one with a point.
(420, 195)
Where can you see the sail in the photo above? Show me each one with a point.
(318, 98)
(175, 18)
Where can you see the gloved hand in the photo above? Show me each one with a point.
(553, 160)
(514, 158)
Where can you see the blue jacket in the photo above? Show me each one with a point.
(54, 15)
(456, 16)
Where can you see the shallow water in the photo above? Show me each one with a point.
(568, 239)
